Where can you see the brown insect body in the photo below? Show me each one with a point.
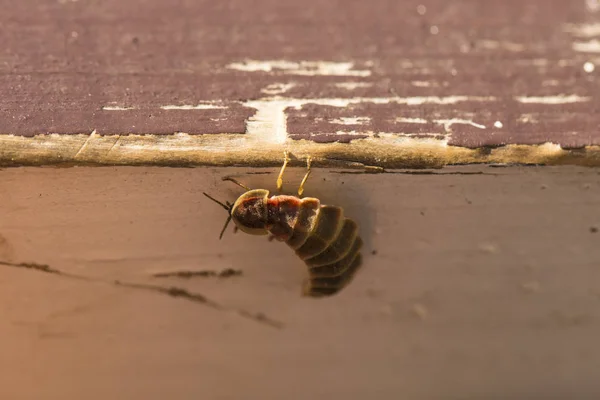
(321, 235)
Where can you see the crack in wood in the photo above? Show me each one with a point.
(416, 172)
(171, 291)
(226, 273)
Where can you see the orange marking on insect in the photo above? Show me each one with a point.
(326, 240)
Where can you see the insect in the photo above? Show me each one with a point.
(321, 235)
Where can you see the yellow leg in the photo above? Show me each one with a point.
(236, 182)
(301, 188)
(286, 159)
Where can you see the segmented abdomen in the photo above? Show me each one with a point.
(322, 237)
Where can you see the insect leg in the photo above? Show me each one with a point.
(236, 182)
(301, 188)
(286, 159)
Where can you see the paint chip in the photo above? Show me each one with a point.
(528, 118)
(421, 9)
(117, 108)
(193, 107)
(351, 120)
(352, 85)
(559, 99)
(449, 122)
(421, 83)
(277, 88)
(593, 5)
(587, 30)
(306, 68)
(411, 120)
(503, 45)
(591, 46)
(589, 67)
(498, 124)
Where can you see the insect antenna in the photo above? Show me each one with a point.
(227, 206)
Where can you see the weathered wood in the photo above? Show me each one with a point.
(407, 84)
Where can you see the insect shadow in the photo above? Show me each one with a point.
(324, 236)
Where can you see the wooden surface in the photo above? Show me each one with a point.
(477, 284)
(388, 83)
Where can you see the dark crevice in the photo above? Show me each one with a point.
(168, 291)
(226, 273)
(512, 165)
(417, 172)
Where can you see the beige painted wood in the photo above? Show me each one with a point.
(485, 283)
